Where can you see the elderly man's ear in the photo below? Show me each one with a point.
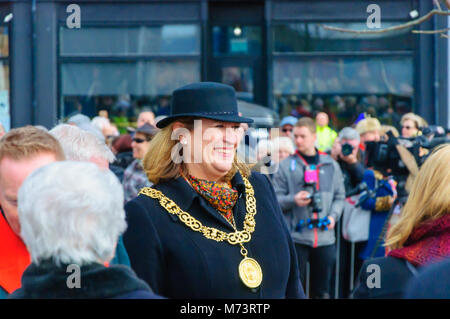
(100, 162)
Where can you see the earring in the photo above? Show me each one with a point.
(183, 141)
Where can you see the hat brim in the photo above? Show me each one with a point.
(222, 117)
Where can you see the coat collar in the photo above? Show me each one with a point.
(324, 158)
(184, 196)
(48, 280)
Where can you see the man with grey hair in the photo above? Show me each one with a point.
(346, 152)
(81, 145)
(72, 216)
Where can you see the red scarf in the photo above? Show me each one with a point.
(428, 243)
(223, 198)
(14, 257)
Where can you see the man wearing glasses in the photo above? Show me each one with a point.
(134, 177)
(287, 126)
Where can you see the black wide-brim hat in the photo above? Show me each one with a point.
(210, 100)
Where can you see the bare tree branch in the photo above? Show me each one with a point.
(431, 31)
(438, 5)
(444, 36)
(393, 28)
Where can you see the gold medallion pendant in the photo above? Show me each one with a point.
(250, 272)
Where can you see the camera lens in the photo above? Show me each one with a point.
(347, 149)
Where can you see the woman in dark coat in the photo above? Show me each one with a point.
(208, 228)
(421, 236)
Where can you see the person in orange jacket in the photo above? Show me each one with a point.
(22, 150)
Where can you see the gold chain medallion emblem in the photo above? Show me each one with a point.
(249, 270)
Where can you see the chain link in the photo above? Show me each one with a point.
(238, 237)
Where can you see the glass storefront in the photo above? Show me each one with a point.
(123, 70)
(5, 112)
(342, 74)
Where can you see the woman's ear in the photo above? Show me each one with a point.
(180, 132)
(177, 125)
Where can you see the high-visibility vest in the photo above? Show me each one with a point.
(325, 138)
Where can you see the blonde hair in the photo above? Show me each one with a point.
(158, 163)
(28, 141)
(429, 197)
(367, 125)
(412, 117)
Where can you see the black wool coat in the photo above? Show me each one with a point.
(394, 274)
(50, 281)
(178, 262)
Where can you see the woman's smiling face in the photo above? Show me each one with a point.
(217, 142)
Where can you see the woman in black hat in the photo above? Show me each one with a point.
(208, 227)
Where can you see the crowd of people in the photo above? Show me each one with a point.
(169, 210)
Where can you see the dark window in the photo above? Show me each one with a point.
(238, 39)
(311, 37)
(123, 70)
(343, 74)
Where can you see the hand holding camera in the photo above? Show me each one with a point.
(348, 153)
(302, 198)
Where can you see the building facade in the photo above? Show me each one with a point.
(61, 57)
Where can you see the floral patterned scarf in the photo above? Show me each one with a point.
(427, 243)
(221, 197)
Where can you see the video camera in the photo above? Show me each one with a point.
(384, 156)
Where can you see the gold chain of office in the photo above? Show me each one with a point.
(249, 270)
(238, 237)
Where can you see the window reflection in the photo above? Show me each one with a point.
(344, 87)
(165, 39)
(4, 42)
(149, 62)
(123, 89)
(5, 118)
(306, 37)
(236, 39)
(359, 75)
(241, 79)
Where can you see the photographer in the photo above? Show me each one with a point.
(347, 153)
(382, 189)
(309, 185)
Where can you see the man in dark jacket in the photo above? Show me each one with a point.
(301, 175)
(348, 155)
(72, 215)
